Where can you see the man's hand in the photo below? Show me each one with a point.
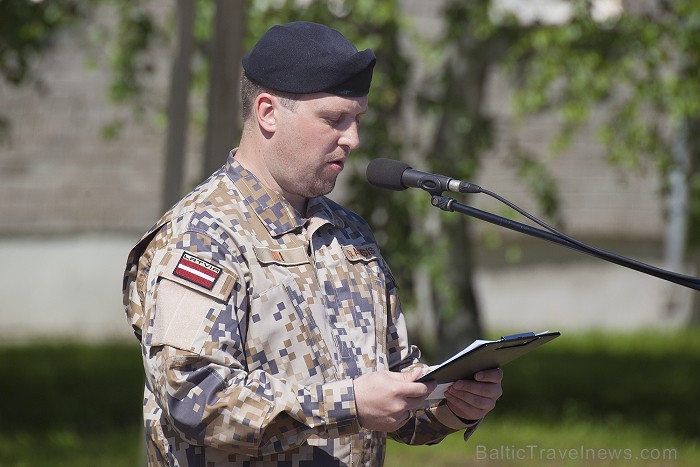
(385, 399)
(472, 400)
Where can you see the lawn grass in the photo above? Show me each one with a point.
(512, 441)
(71, 448)
(580, 400)
(70, 405)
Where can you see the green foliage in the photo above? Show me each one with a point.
(79, 404)
(27, 29)
(642, 378)
(642, 65)
(542, 184)
(75, 388)
(136, 29)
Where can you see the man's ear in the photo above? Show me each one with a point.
(265, 112)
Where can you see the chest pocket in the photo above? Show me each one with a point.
(328, 317)
(286, 322)
(362, 309)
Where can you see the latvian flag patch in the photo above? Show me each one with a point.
(196, 270)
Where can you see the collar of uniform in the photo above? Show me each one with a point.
(275, 213)
(273, 210)
(320, 212)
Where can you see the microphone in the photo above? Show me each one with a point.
(397, 175)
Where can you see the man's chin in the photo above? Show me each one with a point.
(322, 189)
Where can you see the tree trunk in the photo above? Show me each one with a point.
(461, 135)
(223, 119)
(676, 236)
(178, 104)
(682, 240)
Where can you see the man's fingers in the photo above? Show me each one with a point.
(386, 400)
(473, 400)
(411, 389)
(491, 390)
(494, 375)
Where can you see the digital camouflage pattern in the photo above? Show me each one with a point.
(253, 322)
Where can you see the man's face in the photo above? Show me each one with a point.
(313, 142)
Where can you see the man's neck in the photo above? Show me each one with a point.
(250, 160)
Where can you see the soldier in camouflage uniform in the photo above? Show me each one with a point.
(270, 327)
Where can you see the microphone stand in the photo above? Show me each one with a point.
(451, 205)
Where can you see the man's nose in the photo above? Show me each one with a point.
(351, 136)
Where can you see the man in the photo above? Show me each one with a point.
(269, 323)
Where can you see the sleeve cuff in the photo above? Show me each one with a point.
(339, 410)
(445, 416)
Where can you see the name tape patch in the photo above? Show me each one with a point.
(197, 271)
(365, 252)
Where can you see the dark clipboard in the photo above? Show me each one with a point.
(491, 354)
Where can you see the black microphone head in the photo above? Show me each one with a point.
(386, 173)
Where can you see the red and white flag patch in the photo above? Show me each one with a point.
(197, 271)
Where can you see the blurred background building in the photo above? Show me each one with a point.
(76, 198)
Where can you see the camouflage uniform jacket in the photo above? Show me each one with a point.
(253, 322)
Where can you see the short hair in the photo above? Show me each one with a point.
(250, 90)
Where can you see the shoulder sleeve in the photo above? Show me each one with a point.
(190, 294)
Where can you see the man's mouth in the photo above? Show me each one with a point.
(339, 164)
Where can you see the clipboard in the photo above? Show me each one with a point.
(484, 355)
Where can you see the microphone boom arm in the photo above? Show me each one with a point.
(450, 204)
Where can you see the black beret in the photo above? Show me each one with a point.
(304, 57)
